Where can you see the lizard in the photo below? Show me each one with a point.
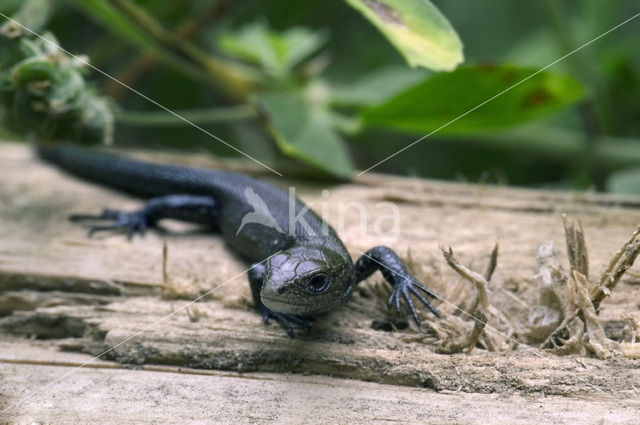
(299, 266)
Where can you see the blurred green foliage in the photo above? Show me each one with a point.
(427, 106)
(276, 53)
(322, 88)
(42, 91)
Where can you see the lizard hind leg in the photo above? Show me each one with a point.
(189, 208)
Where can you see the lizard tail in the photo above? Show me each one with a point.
(139, 178)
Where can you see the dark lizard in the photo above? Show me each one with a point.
(307, 269)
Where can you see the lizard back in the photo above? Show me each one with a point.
(285, 220)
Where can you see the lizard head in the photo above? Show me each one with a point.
(307, 279)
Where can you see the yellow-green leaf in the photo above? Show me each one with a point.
(417, 29)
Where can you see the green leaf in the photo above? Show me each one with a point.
(376, 87)
(444, 99)
(624, 181)
(304, 131)
(417, 29)
(277, 53)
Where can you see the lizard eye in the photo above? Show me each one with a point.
(318, 283)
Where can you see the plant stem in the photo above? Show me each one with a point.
(234, 79)
(123, 27)
(142, 65)
(195, 116)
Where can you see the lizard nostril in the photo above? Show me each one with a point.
(281, 290)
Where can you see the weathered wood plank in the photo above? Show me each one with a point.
(107, 289)
(105, 393)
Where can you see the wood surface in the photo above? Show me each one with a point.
(62, 293)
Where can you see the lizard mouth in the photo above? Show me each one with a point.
(278, 304)
(288, 307)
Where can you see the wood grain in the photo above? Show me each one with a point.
(77, 294)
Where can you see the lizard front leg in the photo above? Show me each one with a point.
(190, 208)
(256, 278)
(394, 271)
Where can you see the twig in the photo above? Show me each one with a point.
(476, 278)
(172, 288)
(140, 66)
(235, 80)
(597, 342)
(580, 328)
(467, 341)
(493, 262)
(165, 257)
(618, 265)
(576, 246)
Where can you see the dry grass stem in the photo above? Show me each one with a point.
(493, 262)
(173, 289)
(476, 278)
(566, 314)
(576, 246)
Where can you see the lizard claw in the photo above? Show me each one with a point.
(285, 319)
(403, 290)
(130, 222)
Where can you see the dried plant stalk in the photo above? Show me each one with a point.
(595, 339)
(476, 278)
(618, 265)
(481, 305)
(580, 330)
(576, 246)
(493, 262)
(467, 341)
